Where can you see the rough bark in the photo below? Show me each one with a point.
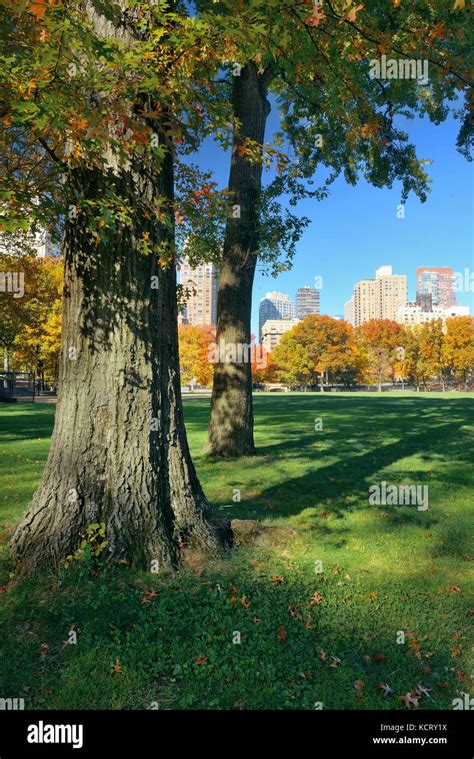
(231, 422)
(119, 452)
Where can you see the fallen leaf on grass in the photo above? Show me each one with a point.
(281, 634)
(423, 690)
(387, 691)
(149, 596)
(316, 599)
(411, 699)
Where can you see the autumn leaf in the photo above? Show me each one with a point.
(316, 16)
(38, 9)
(387, 691)
(411, 699)
(423, 690)
(459, 5)
(202, 660)
(278, 578)
(316, 599)
(149, 595)
(116, 668)
(244, 602)
(323, 655)
(373, 596)
(281, 634)
(454, 588)
(351, 16)
(359, 687)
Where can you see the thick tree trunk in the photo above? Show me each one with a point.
(119, 453)
(231, 423)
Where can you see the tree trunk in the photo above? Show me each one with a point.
(6, 359)
(231, 423)
(119, 453)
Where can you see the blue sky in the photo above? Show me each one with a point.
(356, 229)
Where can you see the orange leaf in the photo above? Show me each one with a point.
(281, 634)
(411, 699)
(316, 599)
(351, 16)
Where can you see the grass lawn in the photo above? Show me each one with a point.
(306, 636)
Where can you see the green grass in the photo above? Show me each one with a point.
(386, 569)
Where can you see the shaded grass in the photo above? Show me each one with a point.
(385, 569)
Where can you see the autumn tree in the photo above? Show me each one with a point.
(431, 339)
(338, 111)
(318, 347)
(195, 349)
(38, 283)
(382, 342)
(458, 348)
(414, 365)
(37, 345)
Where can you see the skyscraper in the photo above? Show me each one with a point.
(349, 311)
(273, 329)
(307, 302)
(379, 298)
(437, 282)
(201, 305)
(275, 305)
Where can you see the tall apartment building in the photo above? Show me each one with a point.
(273, 329)
(349, 311)
(437, 282)
(275, 305)
(201, 306)
(413, 314)
(381, 297)
(307, 302)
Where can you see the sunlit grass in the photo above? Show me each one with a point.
(385, 569)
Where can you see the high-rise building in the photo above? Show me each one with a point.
(349, 311)
(201, 304)
(307, 302)
(413, 314)
(381, 297)
(273, 329)
(425, 301)
(437, 282)
(275, 305)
